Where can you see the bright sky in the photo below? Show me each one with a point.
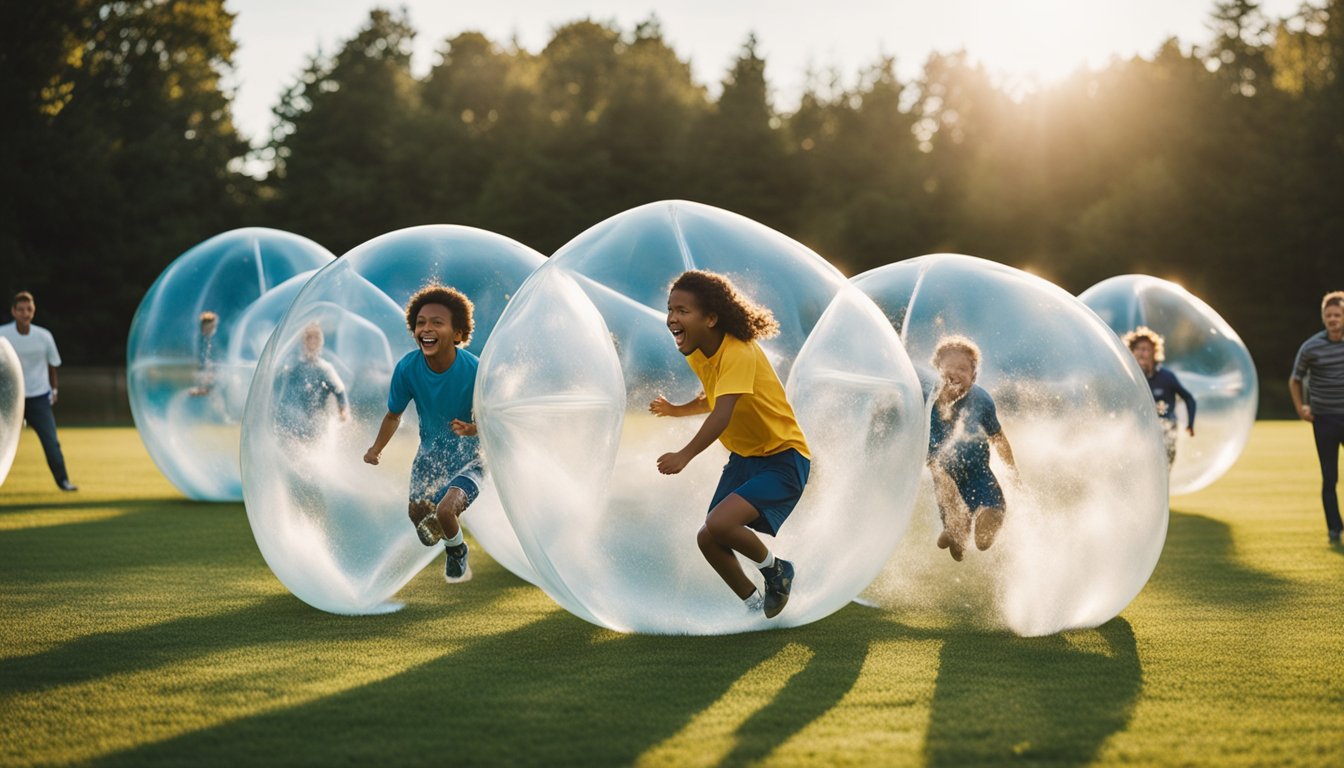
(1016, 39)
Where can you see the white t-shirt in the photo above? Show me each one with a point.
(36, 350)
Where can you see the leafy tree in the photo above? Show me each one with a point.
(741, 161)
(128, 154)
(342, 141)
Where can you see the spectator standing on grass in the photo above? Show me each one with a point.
(38, 359)
(1320, 363)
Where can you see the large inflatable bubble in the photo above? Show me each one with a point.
(334, 529)
(1205, 354)
(186, 390)
(1086, 523)
(11, 406)
(564, 390)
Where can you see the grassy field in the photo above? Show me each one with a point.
(138, 628)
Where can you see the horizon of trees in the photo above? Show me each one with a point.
(1219, 164)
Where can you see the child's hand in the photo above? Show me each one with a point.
(672, 463)
(463, 428)
(371, 456)
(661, 407)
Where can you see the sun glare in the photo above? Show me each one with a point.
(1040, 41)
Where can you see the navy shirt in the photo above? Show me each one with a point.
(1165, 388)
(960, 444)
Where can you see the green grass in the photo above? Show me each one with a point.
(138, 628)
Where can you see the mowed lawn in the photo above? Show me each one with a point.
(139, 628)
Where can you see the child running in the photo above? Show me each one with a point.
(716, 328)
(441, 378)
(962, 426)
(1148, 349)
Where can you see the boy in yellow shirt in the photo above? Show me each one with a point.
(716, 328)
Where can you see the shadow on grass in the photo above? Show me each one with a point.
(277, 621)
(559, 691)
(143, 534)
(556, 691)
(1199, 561)
(1001, 699)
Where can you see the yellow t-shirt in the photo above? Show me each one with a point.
(763, 422)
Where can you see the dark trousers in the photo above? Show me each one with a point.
(1329, 431)
(37, 412)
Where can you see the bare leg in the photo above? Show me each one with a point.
(988, 521)
(453, 505)
(724, 532)
(956, 517)
(419, 510)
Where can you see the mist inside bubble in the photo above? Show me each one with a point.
(186, 386)
(11, 406)
(1208, 358)
(333, 529)
(564, 392)
(1086, 517)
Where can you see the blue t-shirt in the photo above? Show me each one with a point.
(1165, 387)
(439, 398)
(960, 444)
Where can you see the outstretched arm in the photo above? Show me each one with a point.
(385, 431)
(662, 407)
(715, 423)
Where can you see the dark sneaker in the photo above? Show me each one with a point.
(778, 582)
(455, 568)
(429, 530)
(66, 485)
(1334, 535)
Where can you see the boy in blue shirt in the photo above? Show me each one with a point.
(441, 378)
(1147, 346)
(962, 426)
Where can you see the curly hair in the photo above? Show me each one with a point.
(1144, 333)
(738, 315)
(457, 303)
(1332, 299)
(957, 343)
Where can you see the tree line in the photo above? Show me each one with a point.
(1218, 163)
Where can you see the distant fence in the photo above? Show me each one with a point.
(93, 396)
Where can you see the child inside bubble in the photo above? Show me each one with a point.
(440, 376)
(716, 327)
(205, 357)
(1147, 346)
(306, 385)
(963, 425)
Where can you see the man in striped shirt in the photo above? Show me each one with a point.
(1320, 362)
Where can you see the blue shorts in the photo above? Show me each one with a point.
(430, 479)
(772, 484)
(979, 490)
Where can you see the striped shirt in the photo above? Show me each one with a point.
(1320, 362)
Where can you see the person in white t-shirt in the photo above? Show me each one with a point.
(38, 358)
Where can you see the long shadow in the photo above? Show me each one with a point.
(144, 535)
(1199, 561)
(555, 692)
(176, 502)
(840, 647)
(1005, 699)
(275, 621)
